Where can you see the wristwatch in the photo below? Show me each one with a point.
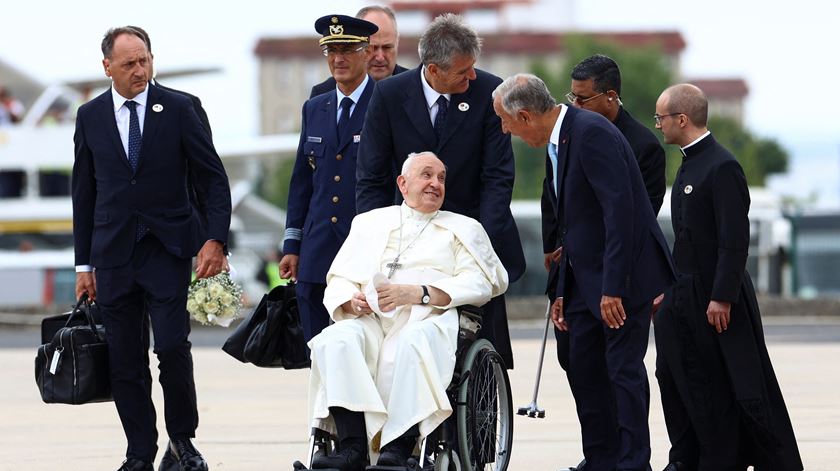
(425, 298)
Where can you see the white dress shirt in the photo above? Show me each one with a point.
(431, 96)
(355, 96)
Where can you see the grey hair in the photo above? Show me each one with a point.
(406, 166)
(113, 33)
(448, 36)
(364, 11)
(524, 92)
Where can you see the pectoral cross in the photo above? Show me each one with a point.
(393, 266)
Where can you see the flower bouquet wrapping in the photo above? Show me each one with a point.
(215, 300)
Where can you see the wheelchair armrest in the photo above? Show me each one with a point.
(470, 318)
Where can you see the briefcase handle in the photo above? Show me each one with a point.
(88, 317)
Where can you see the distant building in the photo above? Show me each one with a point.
(288, 67)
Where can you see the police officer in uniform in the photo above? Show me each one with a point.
(322, 190)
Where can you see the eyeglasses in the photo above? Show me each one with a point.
(335, 51)
(657, 118)
(576, 99)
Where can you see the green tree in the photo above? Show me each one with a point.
(645, 72)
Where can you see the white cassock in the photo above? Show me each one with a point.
(395, 366)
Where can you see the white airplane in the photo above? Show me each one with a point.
(36, 157)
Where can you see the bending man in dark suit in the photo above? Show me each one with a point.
(723, 407)
(134, 223)
(596, 86)
(614, 262)
(444, 106)
(384, 46)
(323, 186)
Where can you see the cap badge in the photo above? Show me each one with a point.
(157, 107)
(463, 106)
(334, 20)
(688, 189)
(336, 30)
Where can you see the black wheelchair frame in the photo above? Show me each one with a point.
(482, 420)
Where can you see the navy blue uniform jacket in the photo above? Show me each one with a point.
(108, 197)
(478, 156)
(612, 242)
(322, 190)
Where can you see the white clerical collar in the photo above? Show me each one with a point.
(411, 213)
(120, 100)
(555, 133)
(430, 93)
(695, 141)
(357, 93)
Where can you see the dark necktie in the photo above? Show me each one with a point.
(134, 141)
(344, 119)
(440, 118)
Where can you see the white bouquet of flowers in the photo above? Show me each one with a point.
(215, 300)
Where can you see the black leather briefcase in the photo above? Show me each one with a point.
(72, 368)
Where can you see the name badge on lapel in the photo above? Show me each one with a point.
(357, 138)
(315, 139)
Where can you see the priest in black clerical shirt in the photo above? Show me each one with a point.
(723, 406)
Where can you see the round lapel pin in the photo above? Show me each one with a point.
(463, 106)
(688, 189)
(157, 107)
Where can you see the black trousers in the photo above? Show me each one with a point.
(608, 381)
(313, 315)
(494, 328)
(153, 282)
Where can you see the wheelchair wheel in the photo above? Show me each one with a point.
(484, 410)
(447, 461)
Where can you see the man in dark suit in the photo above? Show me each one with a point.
(384, 45)
(443, 106)
(723, 406)
(614, 262)
(596, 86)
(133, 222)
(169, 462)
(322, 189)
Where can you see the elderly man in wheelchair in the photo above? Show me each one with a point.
(380, 373)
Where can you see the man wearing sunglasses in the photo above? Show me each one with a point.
(323, 184)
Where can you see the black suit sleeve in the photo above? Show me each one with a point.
(731, 201)
(497, 175)
(202, 115)
(207, 176)
(651, 158)
(549, 222)
(375, 173)
(84, 195)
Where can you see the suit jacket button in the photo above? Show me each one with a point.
(335, 199)
(334, 219)
(133, 181)
(338, 157)
(337, 178)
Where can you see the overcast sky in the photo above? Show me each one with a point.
(787, 54)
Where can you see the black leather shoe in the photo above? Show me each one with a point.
(189, 459)
(675, 466)
(169, 462)
(397, 452)
(348, 459)
(132, 464)
(579, 467)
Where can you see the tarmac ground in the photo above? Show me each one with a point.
(255, 419)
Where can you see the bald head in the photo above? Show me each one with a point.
(689, 100)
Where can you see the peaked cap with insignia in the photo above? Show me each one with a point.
(344, 29)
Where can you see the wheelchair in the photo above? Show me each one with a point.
(479, 434)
